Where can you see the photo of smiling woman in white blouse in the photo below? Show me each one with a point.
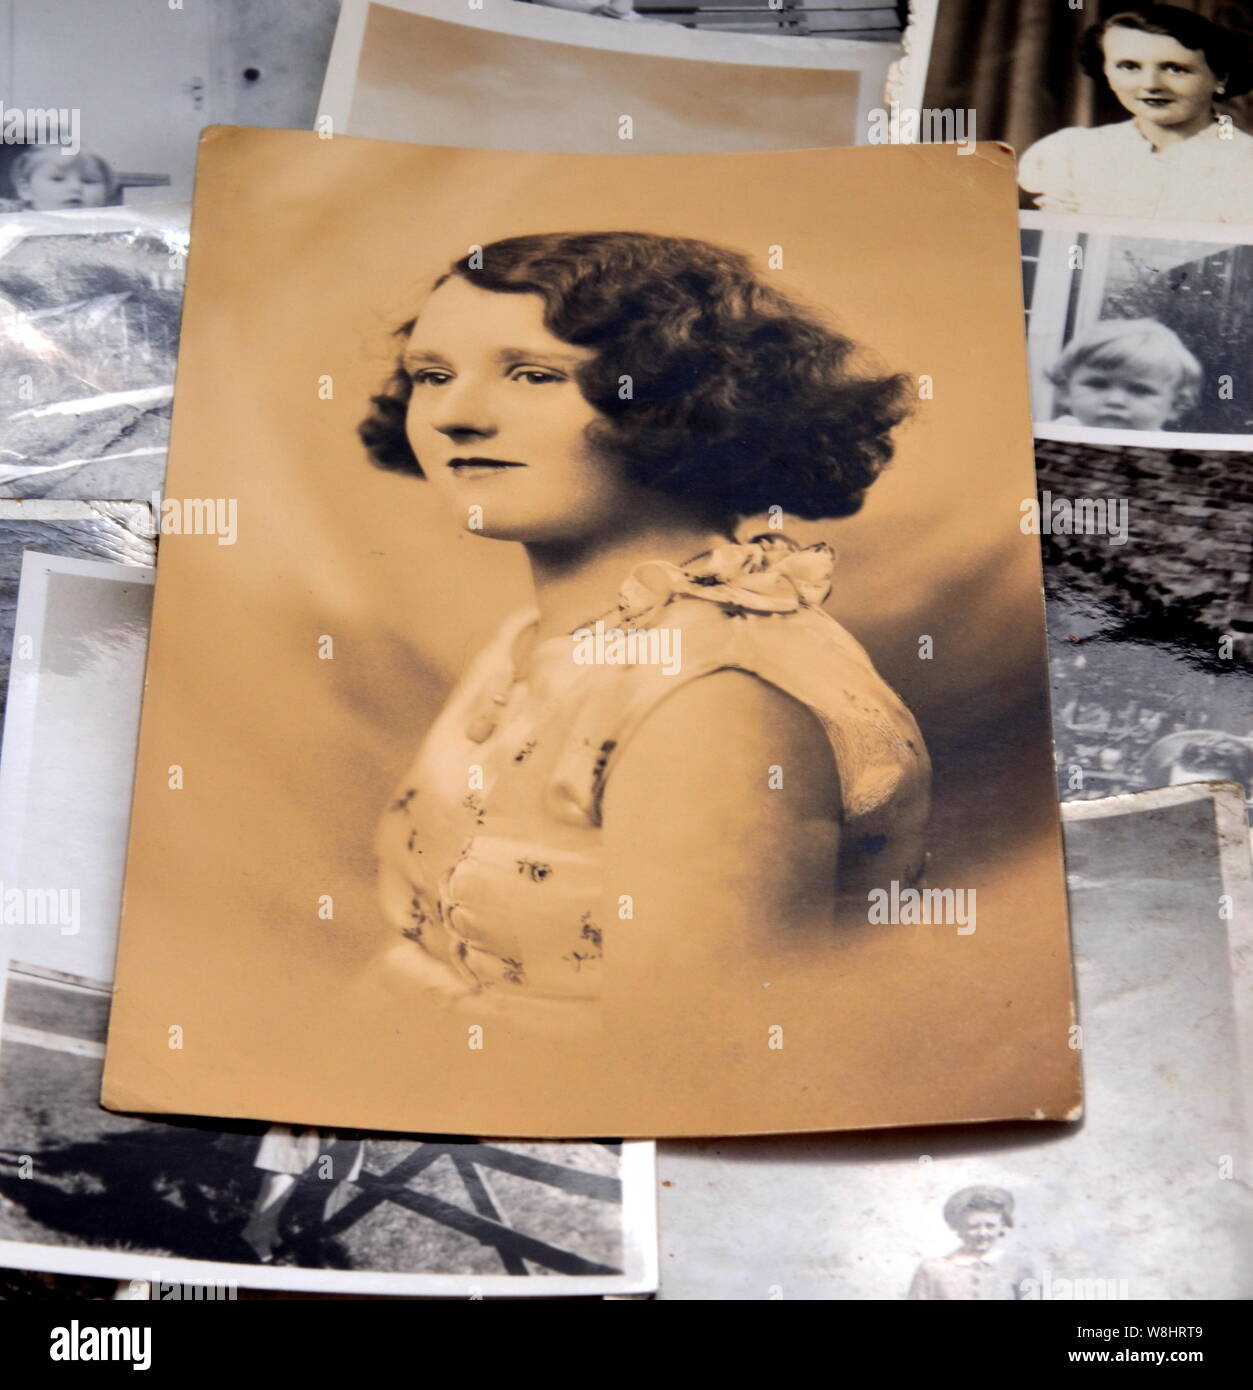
(1177, 156)
(618, 403)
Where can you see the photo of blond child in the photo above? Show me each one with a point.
(1135, 334)
(47, 179)
(1129, 374)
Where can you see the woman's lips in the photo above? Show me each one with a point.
(481, 467)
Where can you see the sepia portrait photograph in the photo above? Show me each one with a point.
(596, 659)
(1115, 109)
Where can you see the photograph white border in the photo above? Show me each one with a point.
(907, 82)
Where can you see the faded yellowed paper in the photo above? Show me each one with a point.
(248, 981)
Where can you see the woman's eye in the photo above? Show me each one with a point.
(1126, 65)
(428, 376)
(535, 376)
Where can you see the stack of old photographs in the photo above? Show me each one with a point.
(595, 692)
(1134, 127)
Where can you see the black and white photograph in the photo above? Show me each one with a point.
(1142, 1201)
(441, 74)
(1147, 576)
(80, 80)
(1115, 109)
(1135, 338)
(102, 102)
(89, 323)
(88, 1192)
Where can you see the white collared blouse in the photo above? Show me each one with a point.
(1114, 171)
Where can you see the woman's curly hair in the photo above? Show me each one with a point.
(738, 399)
(1228, 53)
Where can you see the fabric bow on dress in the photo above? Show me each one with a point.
(769, 574)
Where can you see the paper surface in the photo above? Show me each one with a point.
(507, 76)
(249, 973)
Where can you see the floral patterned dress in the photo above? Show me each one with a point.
(490, 849)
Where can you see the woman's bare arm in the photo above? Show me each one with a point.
(720, 824)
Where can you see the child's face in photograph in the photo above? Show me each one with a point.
(57, 182)
(498, 422)
(1156, 78)
(1121, 398)
(980, 1230)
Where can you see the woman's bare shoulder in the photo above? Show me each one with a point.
(728, 732)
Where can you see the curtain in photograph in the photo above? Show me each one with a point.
(1015, 62)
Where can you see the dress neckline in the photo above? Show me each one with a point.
(771, 573)
(1209, 132)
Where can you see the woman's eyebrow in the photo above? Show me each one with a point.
(411, 357)
(509, 355)
(506, 356)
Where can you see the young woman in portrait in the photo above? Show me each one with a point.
(1177, 157)
(618, 403)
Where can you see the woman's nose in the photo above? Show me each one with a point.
(462, 410)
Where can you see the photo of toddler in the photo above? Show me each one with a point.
(1125, 374)
(46, 179)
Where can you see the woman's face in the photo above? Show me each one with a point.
(498, 422)
(1156, 78)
